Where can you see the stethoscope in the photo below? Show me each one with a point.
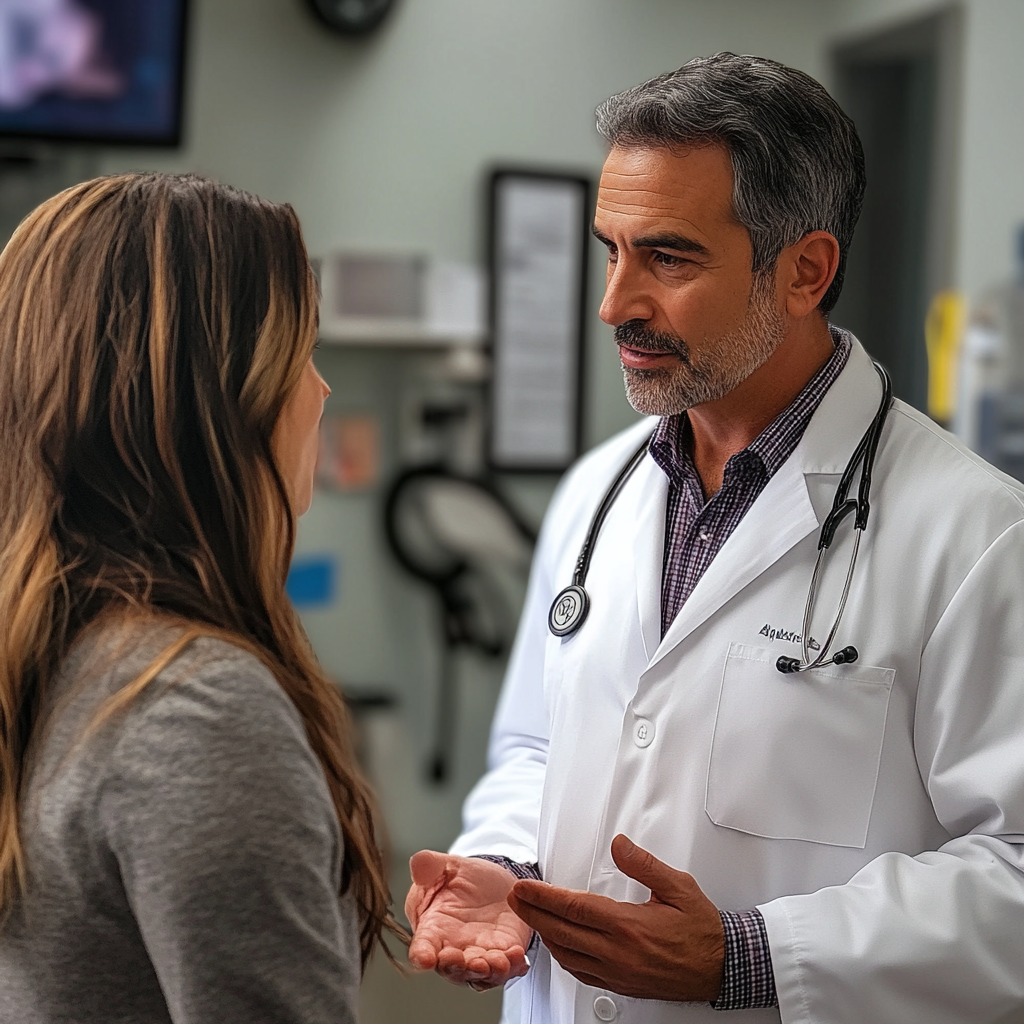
(569, 609)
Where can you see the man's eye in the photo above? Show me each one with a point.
(666, 259)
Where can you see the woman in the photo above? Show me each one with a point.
(183, 832)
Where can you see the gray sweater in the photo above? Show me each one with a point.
(184, 861)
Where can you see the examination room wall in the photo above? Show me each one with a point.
(987, 186)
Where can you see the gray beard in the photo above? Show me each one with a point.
(721, 365)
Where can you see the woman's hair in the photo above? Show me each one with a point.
(152, 328)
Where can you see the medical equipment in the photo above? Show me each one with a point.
(454, 533)
(570, 607)
(842, 506)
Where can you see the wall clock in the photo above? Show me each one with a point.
(352, 17)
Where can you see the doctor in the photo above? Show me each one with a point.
(842, 844)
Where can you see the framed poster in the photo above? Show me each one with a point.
(539, 238)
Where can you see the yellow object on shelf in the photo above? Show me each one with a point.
(943, 334)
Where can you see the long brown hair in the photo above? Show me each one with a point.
(152, 328)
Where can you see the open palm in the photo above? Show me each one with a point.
(463, 926)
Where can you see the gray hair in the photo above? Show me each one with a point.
(797, 161)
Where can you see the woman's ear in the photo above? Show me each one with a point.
(805, 270)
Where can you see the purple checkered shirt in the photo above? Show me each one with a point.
(695, 530)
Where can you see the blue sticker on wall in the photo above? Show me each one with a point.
(312, 581)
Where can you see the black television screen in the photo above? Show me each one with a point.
(92, 70)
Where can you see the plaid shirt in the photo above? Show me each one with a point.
(695, 530)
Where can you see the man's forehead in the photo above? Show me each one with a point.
(666, 184)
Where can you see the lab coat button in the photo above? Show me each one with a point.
(605, 1008)
(643, 736)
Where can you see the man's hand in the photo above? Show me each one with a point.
(672, 947)
(462, 924)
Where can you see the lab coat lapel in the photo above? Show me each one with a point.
(783, 513)
(781, 517)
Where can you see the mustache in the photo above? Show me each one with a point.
(636, 334)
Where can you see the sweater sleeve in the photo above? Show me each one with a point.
(219, 818)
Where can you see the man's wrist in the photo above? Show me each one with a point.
(748, 981)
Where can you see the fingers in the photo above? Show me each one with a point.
(589, 979)
(584, 968)
(475, 961)
(550, 902)
(481, 968)
(666, 883)
(422, 954)
(576, 932)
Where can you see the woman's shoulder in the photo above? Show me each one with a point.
(150, 658)
(147, 696)
(200, 805)
(208, 740)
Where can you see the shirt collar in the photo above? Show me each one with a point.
(671, 443)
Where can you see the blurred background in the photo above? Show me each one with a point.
(441, 155)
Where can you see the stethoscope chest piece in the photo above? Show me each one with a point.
(568, 610)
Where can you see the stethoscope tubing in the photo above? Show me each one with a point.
(579, 575)
(863, 456)
(571, 605)
(805, 634)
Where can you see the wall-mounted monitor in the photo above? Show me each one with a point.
(99, 71)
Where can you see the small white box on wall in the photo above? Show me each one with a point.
(369, 298)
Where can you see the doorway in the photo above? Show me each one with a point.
(901, 88)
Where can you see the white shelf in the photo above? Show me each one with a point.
(375, 332)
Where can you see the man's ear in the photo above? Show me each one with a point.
(805, 270)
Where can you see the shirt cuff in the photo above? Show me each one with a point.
(748, 981)
(517, 869)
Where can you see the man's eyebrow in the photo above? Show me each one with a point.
(664, 240)
(670, 240)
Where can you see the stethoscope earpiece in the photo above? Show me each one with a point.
(844, 657)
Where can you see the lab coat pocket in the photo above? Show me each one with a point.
(796, 756)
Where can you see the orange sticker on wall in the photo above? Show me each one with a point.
(349, 455)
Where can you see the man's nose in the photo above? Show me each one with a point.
(625, 297)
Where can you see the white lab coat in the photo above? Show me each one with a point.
(874, 813)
